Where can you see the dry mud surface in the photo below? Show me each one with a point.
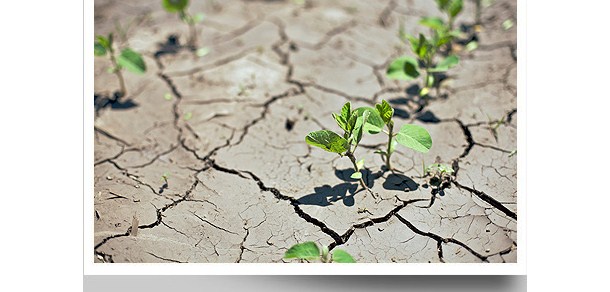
(243, 186)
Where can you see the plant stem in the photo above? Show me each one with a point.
(478, 13)
(351, 157)
(390, 137)
(192, 40)
(117, 72)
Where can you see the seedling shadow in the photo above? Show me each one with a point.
(368, 176)
(102, 101)
(428, 117)
(170, 47)
(327, 195)
(399, 182)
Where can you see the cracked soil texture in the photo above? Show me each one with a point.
(205, 160)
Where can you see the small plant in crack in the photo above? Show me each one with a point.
(352, 123)
(426, 50)
(127, 59)
(164, 179)
(441, 176)
(410, 136)
(181, 7)
(309, 251)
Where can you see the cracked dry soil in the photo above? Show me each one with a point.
(242, 184)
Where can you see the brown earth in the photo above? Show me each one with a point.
(242, 184)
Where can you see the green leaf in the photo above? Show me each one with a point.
(198, 17)
(442, 4)
(327, 140)
(131, 61)
(356, 175)
(435, 23)
(188, 116)
(403, 68)
(383, 153)
(422, 49)
(446, 64)
(507, 24)
(359, 126)
(202, 51)
(173, 6)
(414, 137)
(385, 111)
(374, 123)
(424, 91)
(99, 49)
(341, 256)
(340, 121)
(471, 46)
(104, 42)
(346, 111)
(455, 7)
(167, 96)
(307, 251)
(360, 164)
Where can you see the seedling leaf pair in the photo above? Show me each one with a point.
(310, 251)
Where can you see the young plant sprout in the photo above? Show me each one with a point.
(452, 8)
(425, 49)
(410, 136)
(128, 59)
(441, 175)
(180, 7)
(309, 251)
(352, 123)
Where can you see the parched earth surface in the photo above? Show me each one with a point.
(227, 131)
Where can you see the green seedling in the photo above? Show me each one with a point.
(309, 251)
(352, 123)
(180, 7)
(425, 63)
(165, 185)
(452, 8)
(441, 175)
(128, 59)
(410, 136)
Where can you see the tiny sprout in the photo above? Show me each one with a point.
(425, 50)
(309, 251)
(164, 177)
(128, 59)
(168, 96)
(507, 24)
(441, 175)
(180, 7)
(188, 116)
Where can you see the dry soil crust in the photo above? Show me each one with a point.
(242, 184)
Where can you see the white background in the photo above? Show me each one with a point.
(566, 65)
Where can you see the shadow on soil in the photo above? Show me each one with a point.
(399, 182)
(102, 101)
(327, 195)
